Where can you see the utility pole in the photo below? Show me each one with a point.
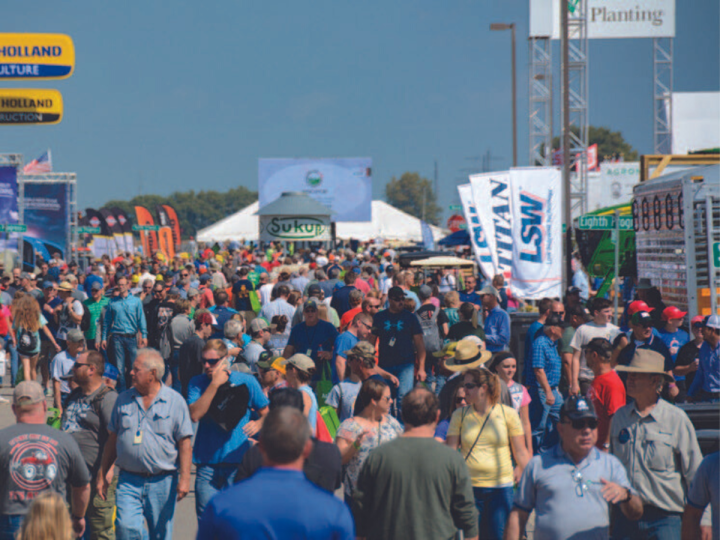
(565, 67)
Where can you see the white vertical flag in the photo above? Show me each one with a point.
(478, 238)
(536, 232)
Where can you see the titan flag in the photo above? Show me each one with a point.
(149, 239)
(99, 242)
(126, 226)
(536, 202)
(167, 217)
(167, 245)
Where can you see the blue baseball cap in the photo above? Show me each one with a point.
(111, 372)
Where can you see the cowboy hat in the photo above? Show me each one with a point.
(468, 355)
(646, 361)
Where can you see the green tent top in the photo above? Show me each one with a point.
(294, 203)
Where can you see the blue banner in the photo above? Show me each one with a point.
(47, 215)
(8, 206)
(427, 236)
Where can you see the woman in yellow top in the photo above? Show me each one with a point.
(485, 432)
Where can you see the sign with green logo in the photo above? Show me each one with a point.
(604, 223)
(716, 255)
(88, 230)
(11, 227)
(455, 208)
(294, 228)
(137, 228)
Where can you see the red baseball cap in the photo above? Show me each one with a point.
(697, 319)
(672, 313)
(638, 305)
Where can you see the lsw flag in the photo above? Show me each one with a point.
(41, 165)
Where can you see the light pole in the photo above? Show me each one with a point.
(511, 27)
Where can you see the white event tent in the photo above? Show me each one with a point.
(387, 223)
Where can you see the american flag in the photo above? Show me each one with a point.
(41, 165)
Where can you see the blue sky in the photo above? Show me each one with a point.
(171, 96)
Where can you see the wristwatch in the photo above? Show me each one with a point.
(627, 498)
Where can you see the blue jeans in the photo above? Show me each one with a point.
(210, 479)
(406, 376)
(544, 419)
(655, 524)
(14, 362)
(9, 525)
(139, 499)
(175, 371)
(438, 379)
(493, 506)
(121, 353)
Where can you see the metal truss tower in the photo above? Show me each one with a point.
(662, 95)
(579, 99)
(540, 92)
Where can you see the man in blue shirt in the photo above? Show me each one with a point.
(358, 330)
(469, 294)
(706, 384)
(542, 379)
(314, 338)
(400, 343)
(544, 309)
(497, 321)
(219, 398)
(341, 297)
(278, 501)
(124, 320)
(572, 486)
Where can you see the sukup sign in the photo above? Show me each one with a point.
(294, 228)
(36, 56)
(20, 106)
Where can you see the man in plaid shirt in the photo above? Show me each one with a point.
(542, 381)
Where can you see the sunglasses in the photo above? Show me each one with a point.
(184, 275)
(470, 386)
(460, 400)
(157, 292)
(211, 361)
(581, 424)
(77, 365)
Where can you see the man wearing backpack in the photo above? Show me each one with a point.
(85, 418)
(434, 324)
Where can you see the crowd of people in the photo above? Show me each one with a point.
(284, 378)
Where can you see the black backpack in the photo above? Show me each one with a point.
(85, 322)
(27, 342)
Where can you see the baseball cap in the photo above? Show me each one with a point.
(396, 293)
(265, 360)
(555, 320)
(301, 362)
(25, 275)
(192, 293)
(698, 320)
(424, 292)
(96, 286)
(205, 278)
(310, 303)
(672, 312)
(257, 325)
(111, 372)
(174, 291)
(577, 408)
(75, 335)
(362, 349)
(572, 290)
(712, 321)
(638, 305)
(47, 285)
(643, 318)
(489, 289)
(28, 393)
(314, 290)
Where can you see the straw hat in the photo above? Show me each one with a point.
(646, 361)
(468, 355)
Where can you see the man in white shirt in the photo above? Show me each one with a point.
(265, 288)
(61, 367)
(599, 327)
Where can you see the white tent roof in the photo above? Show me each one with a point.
(387, 223)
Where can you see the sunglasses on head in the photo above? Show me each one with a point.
(583, 423)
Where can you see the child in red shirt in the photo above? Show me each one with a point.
(607, 391)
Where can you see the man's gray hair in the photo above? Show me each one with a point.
(147, 281)
(152, 360)
(320, 275)
(232, 329)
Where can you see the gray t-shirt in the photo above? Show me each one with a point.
(36, 458)
(86, 418)
(181, 328)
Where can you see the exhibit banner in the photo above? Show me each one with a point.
(292, 228)
(102, 243)
(126, 225)
(478, 237)
(501, 213)
(614, 185)
(8, 206)
(537, 232)
(608, 19)
(47, 215)
(344, 184)
(20, 106)
(36, 56)
(149, 238)
(118, 237)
